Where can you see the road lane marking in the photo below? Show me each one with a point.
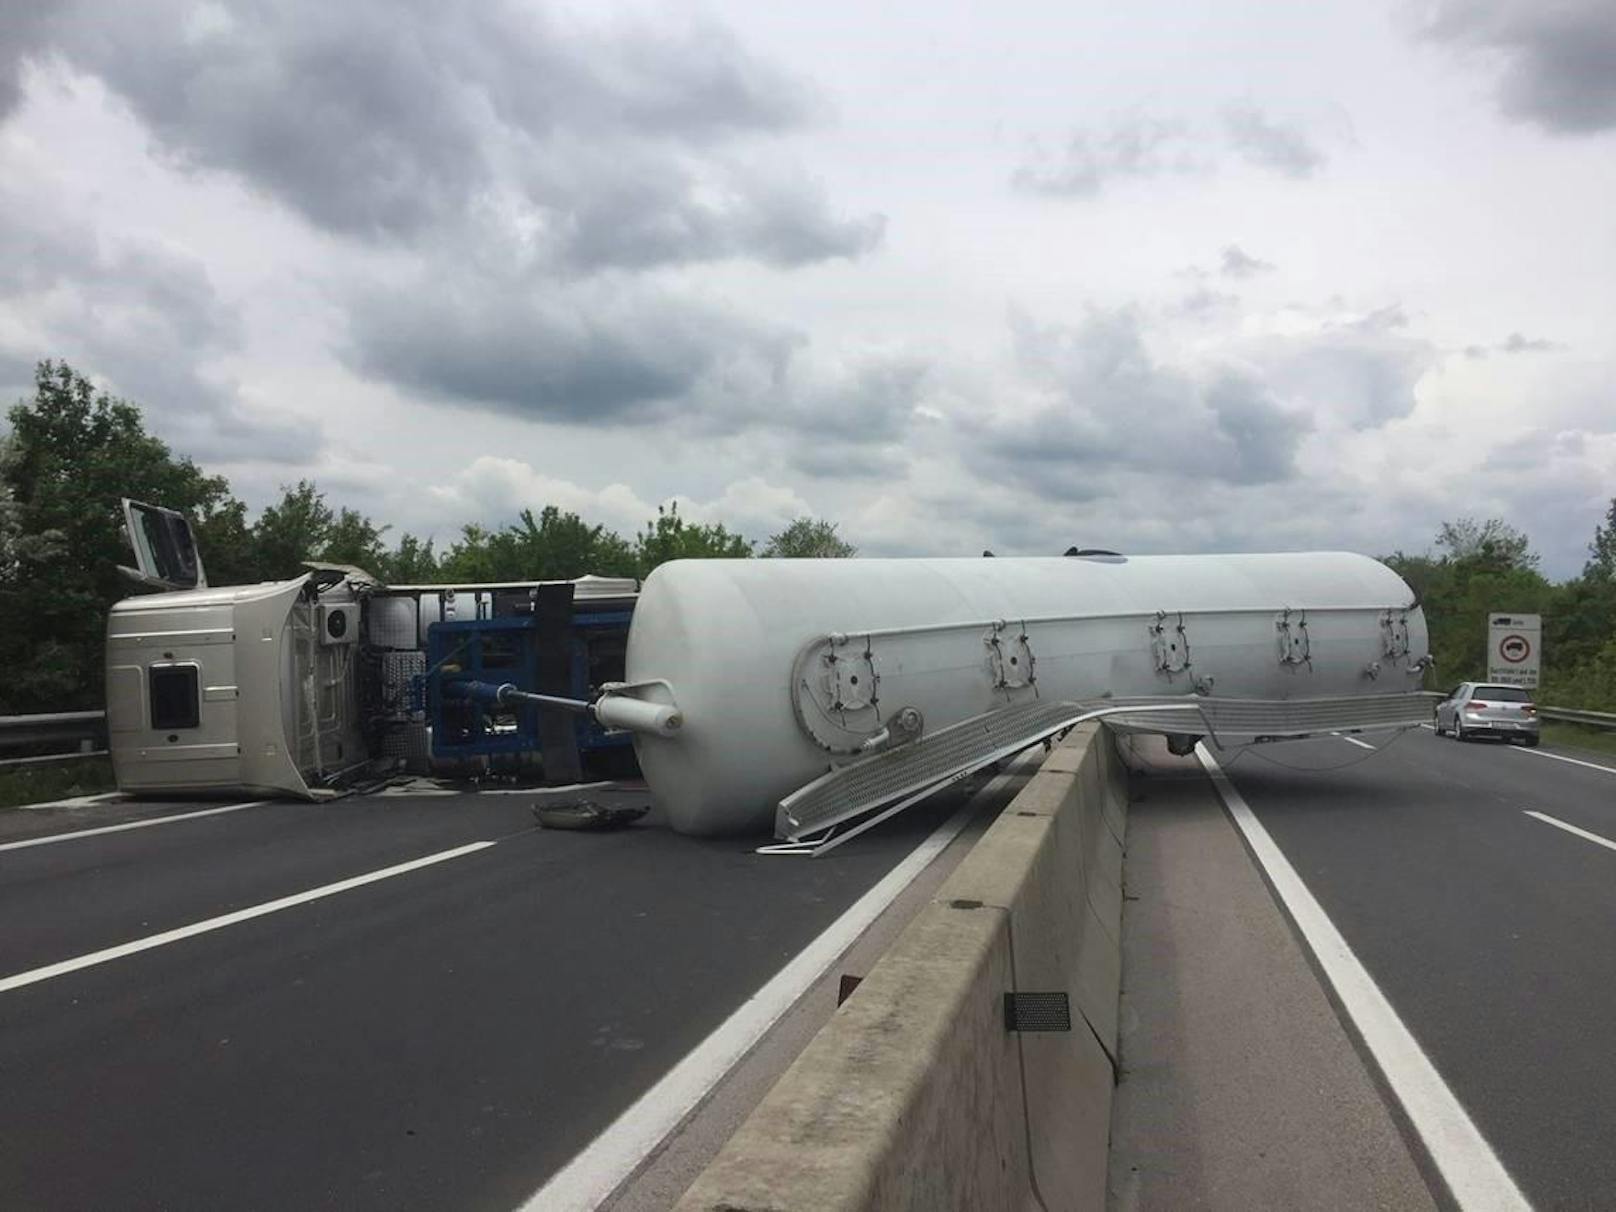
(1429, 727)
(91, 959)
(77, 801)
(1560, 757)
(1474, 1175)
(1352, 740)
(148, 823)
(1569, 828)
(600, 1168)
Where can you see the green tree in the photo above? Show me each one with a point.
(469, 557)
(552, 546)
(301, 526)
(225, 541)
(808, 539)
(558, 546)
(1490, 544)
(352, 538)
(1484, 567)
(71, 454)
(292, 530)
(1602, 551)
(412, 562)
(669, 537)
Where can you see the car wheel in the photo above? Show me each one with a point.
(1530, 742)
(1459, 730)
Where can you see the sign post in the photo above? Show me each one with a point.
(1515, 649)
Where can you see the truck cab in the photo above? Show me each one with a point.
(307, 686)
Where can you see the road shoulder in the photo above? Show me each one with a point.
(1240, 1087)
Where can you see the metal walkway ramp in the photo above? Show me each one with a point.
(905, 774)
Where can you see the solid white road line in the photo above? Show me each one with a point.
(612, 1156)
(1429, 727)
(1472, 1171)
(1560, 757)
(1582, 833)
(148, 823)
(93, 958)
(1352, 740)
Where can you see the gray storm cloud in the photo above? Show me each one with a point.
(611, 352)
(1132, 146)
(1362, 372)
(387, 120)
(1238, 263)
(625, 248)
(1557, 59)
(591, 355)
(144, 317)
(1104, 405)
(1138, 146)
(1269, 143)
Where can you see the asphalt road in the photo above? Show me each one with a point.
(1489, 930)
(446, 1037)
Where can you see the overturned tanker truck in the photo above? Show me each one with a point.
(810, 693)
(813, 696)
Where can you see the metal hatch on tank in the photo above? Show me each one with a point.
(886, 673)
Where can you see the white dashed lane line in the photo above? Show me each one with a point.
(91, 959)
(1572, 829)
(148, 823)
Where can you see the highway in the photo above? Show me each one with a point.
(1487, 929)
(401, 1002)
(381, 1002)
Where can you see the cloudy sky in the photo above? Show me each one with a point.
(1162, 276)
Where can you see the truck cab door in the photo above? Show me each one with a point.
(165, 549)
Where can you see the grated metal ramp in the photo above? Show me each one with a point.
(1247, 719)
(854, 789)
(909, 772)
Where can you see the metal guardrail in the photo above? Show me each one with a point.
(27, 740)
(1569, 715)
(46, 759)
(66, 735)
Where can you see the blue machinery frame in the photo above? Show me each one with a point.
(501, 650)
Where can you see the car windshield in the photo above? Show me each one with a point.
(1502, 694)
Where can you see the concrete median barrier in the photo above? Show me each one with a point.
(917, 1094)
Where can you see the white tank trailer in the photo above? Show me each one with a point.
(867, 679)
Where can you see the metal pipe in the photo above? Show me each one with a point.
(509, 693)
(506, 692)
(612, 711)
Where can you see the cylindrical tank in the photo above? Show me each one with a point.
(731, 638)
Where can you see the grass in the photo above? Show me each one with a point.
(54, 781)
(1576, 736)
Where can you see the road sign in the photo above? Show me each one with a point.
(1514, 649)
